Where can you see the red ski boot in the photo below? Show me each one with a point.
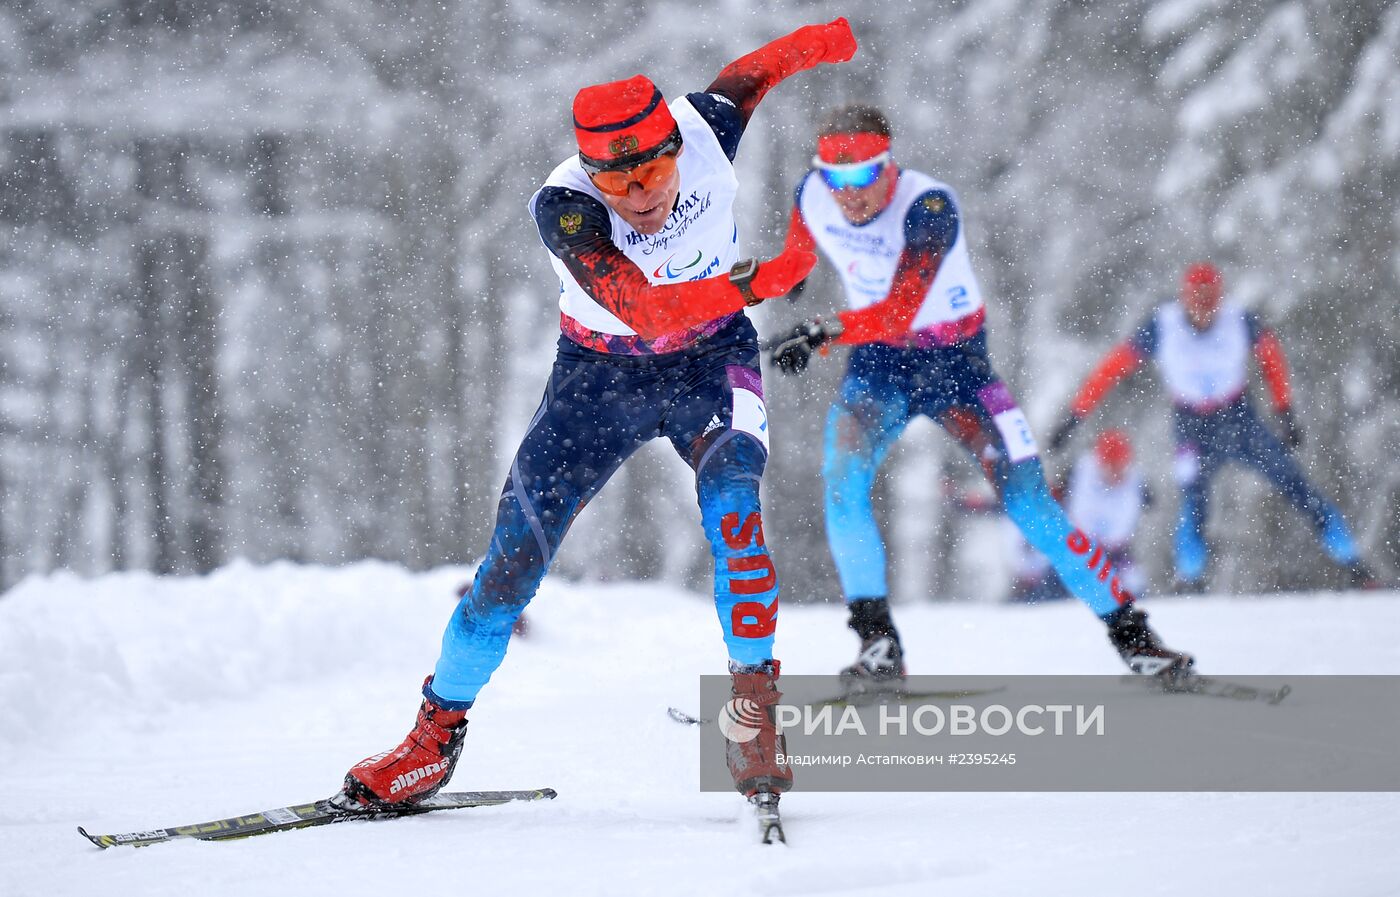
(753, 740)
(417, 768)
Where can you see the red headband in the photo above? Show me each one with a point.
(621, 118)
(842, 148)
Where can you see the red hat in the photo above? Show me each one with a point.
(1202, 273)
(620, 119)
(1113, 450)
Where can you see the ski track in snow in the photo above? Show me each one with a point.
(131, 702)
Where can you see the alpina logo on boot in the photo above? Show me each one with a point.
(740, 719)
(413, 777)
(1145, 665)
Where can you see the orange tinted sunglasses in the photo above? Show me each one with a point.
(649, 174)
(650, 171)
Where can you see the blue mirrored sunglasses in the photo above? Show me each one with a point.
(853, 175)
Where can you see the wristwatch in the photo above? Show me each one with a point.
(741, 275)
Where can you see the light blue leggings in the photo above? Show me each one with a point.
(884, 388)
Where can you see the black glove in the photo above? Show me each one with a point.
(792, 353)
(1292, 433)
(1060, 435)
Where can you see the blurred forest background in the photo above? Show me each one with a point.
(268, 288)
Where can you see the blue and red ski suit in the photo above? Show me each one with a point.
(654, 344)
(916, 320)
(1206, 373)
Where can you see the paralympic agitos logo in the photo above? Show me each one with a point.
(674, 271)
(863, 280)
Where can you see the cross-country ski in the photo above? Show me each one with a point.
(320, 812)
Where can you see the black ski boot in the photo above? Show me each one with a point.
(880, 664)
(1142, 650)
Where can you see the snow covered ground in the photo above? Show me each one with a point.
(131, 701)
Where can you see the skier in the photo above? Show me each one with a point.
(1202, 344)
(1104, 496)
(641, 232)
(916, 324)
(1033, 580)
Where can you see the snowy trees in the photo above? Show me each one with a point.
(268, 288)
